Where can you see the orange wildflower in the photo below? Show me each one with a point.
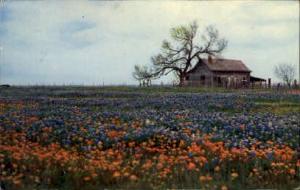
(133, 178)
(234, 175)
(292, 171)
(191, 166)
(159, 166)
(181, 143)
(116, 174)
(94, 175)
(147, 165)
(298, 163)
(131, 144)
(17, 182)
(202, 178)
(217, 168)
(126, 174)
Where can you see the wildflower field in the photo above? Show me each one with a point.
(96, 138)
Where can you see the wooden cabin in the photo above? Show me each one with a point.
(219, 73)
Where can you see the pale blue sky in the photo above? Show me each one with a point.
(88, 42)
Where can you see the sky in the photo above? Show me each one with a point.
(99, 42)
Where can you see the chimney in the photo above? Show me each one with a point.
(209, 59)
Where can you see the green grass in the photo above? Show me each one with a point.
(83, 90)
(280, 107)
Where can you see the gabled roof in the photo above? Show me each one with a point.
(224, 65)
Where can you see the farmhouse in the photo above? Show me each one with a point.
(221, 73)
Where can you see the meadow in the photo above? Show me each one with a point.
(148, 138)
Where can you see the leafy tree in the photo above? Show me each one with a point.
(182, 55)
(285, 72)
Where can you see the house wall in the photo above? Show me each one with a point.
(202, 76)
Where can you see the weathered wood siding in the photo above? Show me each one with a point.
(202, 76)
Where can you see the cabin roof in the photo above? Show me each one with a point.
(227, 65)
(257, 79)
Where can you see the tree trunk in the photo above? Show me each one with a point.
(181, 79)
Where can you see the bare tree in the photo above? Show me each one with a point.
(143, 74)
(182, 55)
(285, 72)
